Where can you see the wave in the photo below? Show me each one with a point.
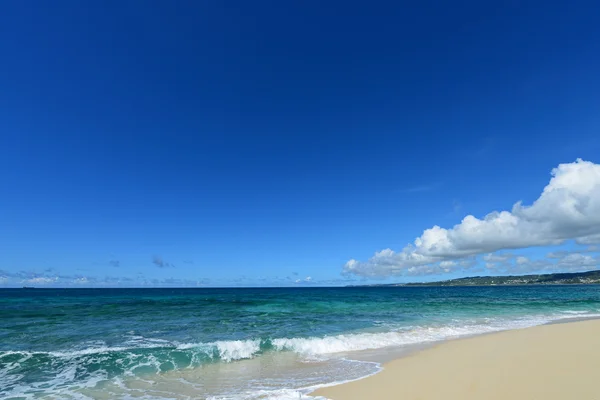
(576, 312)
(227, 350)
(412, 336)
(224, 350)
(231, 350)
(369, 341)
(142, 357)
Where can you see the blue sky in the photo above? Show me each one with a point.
(262, 143)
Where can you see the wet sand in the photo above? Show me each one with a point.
(549, 362)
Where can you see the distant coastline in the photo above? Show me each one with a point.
(571, 278)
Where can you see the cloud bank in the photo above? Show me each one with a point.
(567, 209)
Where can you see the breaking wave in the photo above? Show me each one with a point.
(143, 357)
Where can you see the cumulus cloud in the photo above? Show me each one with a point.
(522, 260)
(558, 261)
(308, 279)
(567, 209)
(499, 261)
(577, 262)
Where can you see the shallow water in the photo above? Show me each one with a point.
(243, 343)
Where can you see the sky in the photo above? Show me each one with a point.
(270, 143)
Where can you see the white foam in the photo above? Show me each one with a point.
(228, 350)
(575, 315)
(85, 352)
(299, 393)
(237, 349)
(368, 341)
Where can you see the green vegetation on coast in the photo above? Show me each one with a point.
(573, 278)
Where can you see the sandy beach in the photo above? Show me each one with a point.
(549, 362)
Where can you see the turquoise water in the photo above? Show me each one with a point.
(242, 343)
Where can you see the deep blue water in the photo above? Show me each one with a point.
(124, 343)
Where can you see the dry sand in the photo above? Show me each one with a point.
(549, 362)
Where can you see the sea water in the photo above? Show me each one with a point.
(270, 343)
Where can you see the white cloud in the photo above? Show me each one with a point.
(448, 264)
(40, 280)
(308, 279)
(504, 257)
(577, 262)
(522, 260)
(568, 208)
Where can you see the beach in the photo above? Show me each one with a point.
(283, 343)
(550, 362)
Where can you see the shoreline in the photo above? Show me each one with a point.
(494, 365)
(397, 352)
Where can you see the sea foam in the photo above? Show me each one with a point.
(413, 336)
(141, 354)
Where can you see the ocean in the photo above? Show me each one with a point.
(267, 343)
